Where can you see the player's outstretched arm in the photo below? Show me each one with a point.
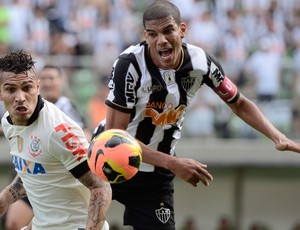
(100, 200)
(11, 194)
(251, 114)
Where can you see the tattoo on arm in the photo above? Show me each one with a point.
(100, 199)
(17, 189)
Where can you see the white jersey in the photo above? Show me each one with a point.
(44, 153)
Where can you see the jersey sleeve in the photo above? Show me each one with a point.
(124, 81)
(69, 145)
(219, 82)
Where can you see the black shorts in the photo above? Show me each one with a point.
(25, 199)
(148, 199)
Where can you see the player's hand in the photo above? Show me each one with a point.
(286, 144)
(191, 171)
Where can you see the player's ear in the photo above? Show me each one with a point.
(182, 30)
(38, 85)
(145, 35)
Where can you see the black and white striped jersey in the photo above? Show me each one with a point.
(157, 99)
(67, 106)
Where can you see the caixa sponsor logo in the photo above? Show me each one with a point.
(26, 166)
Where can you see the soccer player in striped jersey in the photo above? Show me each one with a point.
(49, 152)
(151, 87)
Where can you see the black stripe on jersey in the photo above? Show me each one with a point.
(183, 72)
(206, 78)
(80, 169)
(119, 73)
(165, 145)
(146, 128)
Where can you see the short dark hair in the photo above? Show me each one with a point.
(58, 68)
(161, 9)
(17, 62)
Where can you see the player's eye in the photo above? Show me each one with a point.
(169, 30)
(27, 88)
(9, 89)
(152, 34)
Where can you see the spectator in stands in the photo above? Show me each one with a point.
(264, 69)
(295, 36)
(96, 105)
(189, 224)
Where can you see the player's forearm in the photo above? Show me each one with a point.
(99, 204)
(15, 190)
(252, 115)
(156, 158)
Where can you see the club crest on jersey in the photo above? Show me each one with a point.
(163, 214)
(187, 82)
(168, 76)
(35, 146)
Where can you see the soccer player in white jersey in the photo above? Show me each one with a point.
(48, 150)
(52, 83)
(151, 86)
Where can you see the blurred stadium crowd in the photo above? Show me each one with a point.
(257, 42)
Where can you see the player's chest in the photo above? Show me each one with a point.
(27, 152)
(168, 86)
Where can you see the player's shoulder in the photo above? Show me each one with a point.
(194, 51)
(197, 56)
(4, 122)
(53, 119)
(131, 58)
(134, 52)
(137, 48)
(51, 112)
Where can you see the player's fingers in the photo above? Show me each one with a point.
(202, 171)
(199, 178)
(204, 180)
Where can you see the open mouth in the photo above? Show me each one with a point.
(165, 53)
(21, 109)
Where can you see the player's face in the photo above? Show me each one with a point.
(51, 84)
(19, 92)
(164, 38)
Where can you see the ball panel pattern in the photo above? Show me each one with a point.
(114, 155)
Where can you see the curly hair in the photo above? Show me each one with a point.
(17, 62)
